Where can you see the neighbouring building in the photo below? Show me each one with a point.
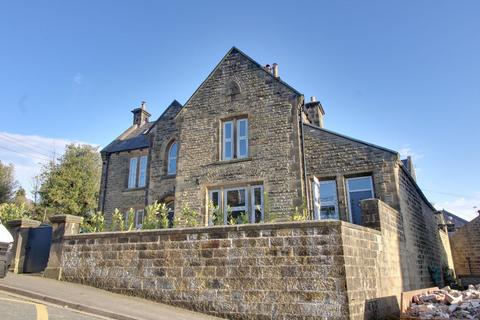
(247, 143)
(453, 221)
(465, 242)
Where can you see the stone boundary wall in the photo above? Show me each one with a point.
(302, 270)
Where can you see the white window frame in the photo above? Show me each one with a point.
(349, 204)
(317, 205)
(210, 200)
(254, 206)
(142, 171)
(242, 138)
(328, 203)
(230, 140)
(171, 158)
(132, 173)
(137, 214)
(225, 203)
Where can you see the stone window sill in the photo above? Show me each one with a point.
(220, 162)
(133, 189)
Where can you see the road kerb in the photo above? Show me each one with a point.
(64, 303)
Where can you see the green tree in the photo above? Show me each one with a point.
(7, 182)
(71, 186)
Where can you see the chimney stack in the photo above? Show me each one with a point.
(140, 115)
(314, 112)
(275, 70)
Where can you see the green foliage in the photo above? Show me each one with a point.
(216, 215)
(156, 216)
(189, 216)
(71, 186)
(130, 220)
(241, 218)
(13, 211)
(118, 222)
(93, 223)
(300, 213)
(7, 182)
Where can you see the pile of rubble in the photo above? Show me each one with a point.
(446, 304)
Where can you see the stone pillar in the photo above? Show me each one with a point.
(63, 225)
(19, 230)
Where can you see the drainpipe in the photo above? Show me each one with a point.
(304, 162)
(105, 184)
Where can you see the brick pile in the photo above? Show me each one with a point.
(446, 303)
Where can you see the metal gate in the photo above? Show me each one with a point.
(37, 250)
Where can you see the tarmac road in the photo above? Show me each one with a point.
(14, 307)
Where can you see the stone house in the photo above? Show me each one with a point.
(249, 144)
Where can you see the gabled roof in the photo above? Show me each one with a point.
(236, 50)
(351, 139)
(174, 104)
(133, 138)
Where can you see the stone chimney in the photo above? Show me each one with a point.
(408, 163)
(314, 112)
(275, 70)
(140, 115)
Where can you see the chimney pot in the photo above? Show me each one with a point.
(275, 70)
(313, 99)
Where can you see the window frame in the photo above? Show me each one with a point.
(241, 138)
(239, 208)
(235, 138)
(335, 203)
(347, 187)
(137, 213)
(249, 207)
(170, 158)
(231, 139)
(254, 206)
(142, 176)
(132, 173)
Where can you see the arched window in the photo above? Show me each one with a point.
(172, 159)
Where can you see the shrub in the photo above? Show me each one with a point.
(156, 216)
(93, 223)
(12, 211)
(216, 215)
(189, 216)
(118, 222)
(130, 220)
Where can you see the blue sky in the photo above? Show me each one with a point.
(401, 74)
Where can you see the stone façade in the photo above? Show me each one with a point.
(287, 148)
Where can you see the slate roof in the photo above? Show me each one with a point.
(131, 139)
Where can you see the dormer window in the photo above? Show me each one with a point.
(235, 139)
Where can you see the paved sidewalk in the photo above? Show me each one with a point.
(93, 300)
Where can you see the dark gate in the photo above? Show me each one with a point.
(37, 250)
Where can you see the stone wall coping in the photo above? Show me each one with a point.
(234, 228)
(65, 218)
(380, 203)
(24, 222)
